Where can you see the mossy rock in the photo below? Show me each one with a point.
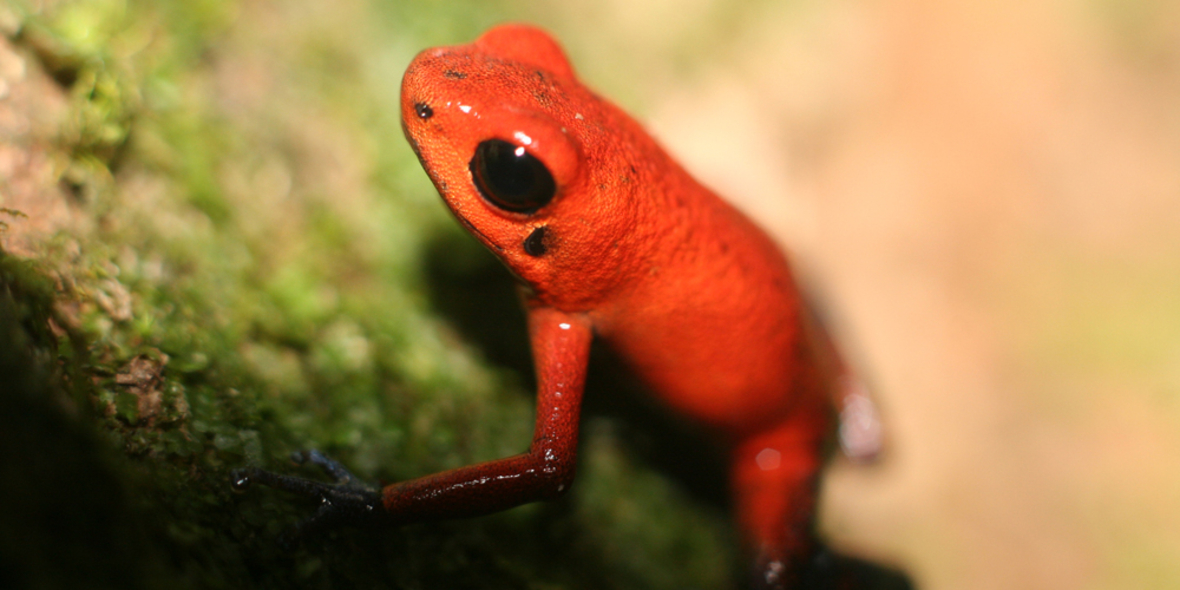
(218, 250)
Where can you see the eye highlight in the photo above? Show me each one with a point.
(510, 177)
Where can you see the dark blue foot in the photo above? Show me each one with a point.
(344, 502)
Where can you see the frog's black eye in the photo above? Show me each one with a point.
(510, 177)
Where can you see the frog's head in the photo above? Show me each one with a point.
(502, 127)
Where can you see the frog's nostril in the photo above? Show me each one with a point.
(424, 111)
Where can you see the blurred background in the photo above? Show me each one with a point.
(987, 194)
(984, 194)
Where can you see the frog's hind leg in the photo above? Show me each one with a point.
(774, 477)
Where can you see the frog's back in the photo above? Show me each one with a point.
(712, 319)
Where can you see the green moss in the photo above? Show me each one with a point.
(254, 280)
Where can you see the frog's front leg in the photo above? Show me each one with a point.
(561, 348)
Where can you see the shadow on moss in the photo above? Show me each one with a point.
(68, 518)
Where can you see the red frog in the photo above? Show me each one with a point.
(610, 238)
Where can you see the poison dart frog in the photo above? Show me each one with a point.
(610, 238)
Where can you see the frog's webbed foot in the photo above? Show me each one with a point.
(345, 501)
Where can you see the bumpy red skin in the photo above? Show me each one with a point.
(686, 289)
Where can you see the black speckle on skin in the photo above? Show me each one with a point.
(424, 111)
(541, 93)
(454, 75)
(534, 245)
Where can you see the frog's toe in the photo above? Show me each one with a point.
(345, 501)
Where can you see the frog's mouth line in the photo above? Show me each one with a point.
(471, 226)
